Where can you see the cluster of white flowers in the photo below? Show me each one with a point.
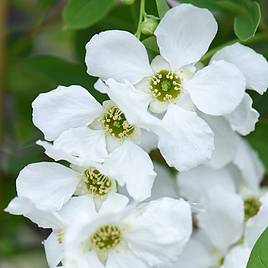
(109, 205)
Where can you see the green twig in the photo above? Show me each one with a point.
(141, 15)
(256, 39)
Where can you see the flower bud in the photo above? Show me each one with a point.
(148, 26)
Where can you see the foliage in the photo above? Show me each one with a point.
(258, 257)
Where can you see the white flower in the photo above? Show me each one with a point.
(80, 126)
(59, 221)
(255, 69)
(172, 82)
(200, 253)
(148, 235)
(49, 185)
(230, 196)
(249, 164)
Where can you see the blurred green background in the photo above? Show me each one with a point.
(42, 45)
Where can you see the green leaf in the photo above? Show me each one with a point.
(80, 14)
(215, 5)
(246, 25)
(151, 44)
(259, 141)
(162, 7)
(30, 76)
(259, 257)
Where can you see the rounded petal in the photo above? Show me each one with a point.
(185, 33)
(64, 108)
(53, 250)
(101, 86)
(119, 55)
(80, 209)
(148, 141)
(48, 185)
(226, 141)
(222, 210)
(131, 166)
(249, 164)
(244, 117)
(217, 89)
(256, 225)
(114, 203)
(80, 146)
(159, 63)
(194, 183)
(24, 206)
(188, 140)
(202, 257)
(157, 106)
(164, 184)
(252, 64)
(160, 231)
(124, 259)
(237, 258)
(78, 259)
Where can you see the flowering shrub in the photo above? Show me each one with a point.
(107, 203)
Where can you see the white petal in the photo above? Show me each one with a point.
(130, 165)
(256, 225)
(157, 106)
(134, 103)
(80, 259)
(164, 184)
(184, 34)
(148, 140)
(114, 203)
(188, 140)
(124, 259)
(80, 146)
(79, 209)
(159, 63)
(101, 86)
(64, 108)
(223, 217)
(160, 231)
(237, 258)
(217, 89)
(202, 257)
(48, 185)
(119, 55)
(24, 206)
(226, 141)
(53, 250)
(252, 64)
(194, 183)
(249, 164)
(244, 117)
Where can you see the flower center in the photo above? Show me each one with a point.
(97, 183)
(106, 237)
(251, 207)
(115, 123)
(165, 86)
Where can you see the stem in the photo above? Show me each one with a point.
(257, 38)
(141, 15)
